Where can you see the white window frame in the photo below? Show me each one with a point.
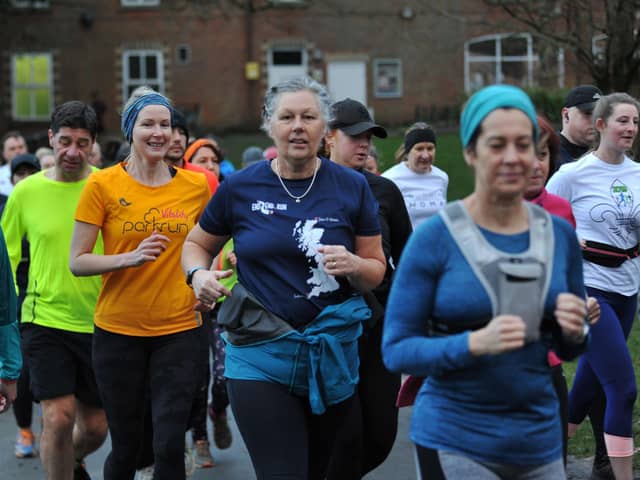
(139, 3)
(14, 86)
(377, 63)
(143, 80)
(30, 3)
(284, 3)
(529, 59)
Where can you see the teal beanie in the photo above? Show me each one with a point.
(485, 101)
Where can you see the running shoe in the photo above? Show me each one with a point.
(80, 472)
(203, 454)
(189, 462)
(221, 431)
(25, 444)
(146, 473)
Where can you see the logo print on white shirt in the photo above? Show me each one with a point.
(621, 215)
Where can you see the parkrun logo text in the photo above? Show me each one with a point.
(164, 220)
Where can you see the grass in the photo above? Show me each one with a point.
(449, 158)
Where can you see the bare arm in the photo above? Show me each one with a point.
(198, 251)
(364, 269)
(83, 262)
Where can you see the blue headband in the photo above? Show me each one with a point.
(485, 101)
(131, 113)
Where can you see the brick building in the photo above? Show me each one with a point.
(403, 58)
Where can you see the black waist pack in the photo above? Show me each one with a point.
(607, 255)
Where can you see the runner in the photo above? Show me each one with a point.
(449, 317)
(57, 314)
(145, 322)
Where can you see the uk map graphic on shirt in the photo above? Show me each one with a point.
(308, 237)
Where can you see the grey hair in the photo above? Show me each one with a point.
(606, 104)
(296, 84)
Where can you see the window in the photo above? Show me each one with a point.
(287, 3)
(183, 54)
(142, 67)
(387, 75)
(502, 58)
(140, 3)
(30, 3)
(285, 62)
(32, 86)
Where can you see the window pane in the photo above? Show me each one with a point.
(514, 46)
(483, 48)
(514, 73)
(22, 72)
(23, 103)
(151, 64)
(42, 102)
(481, 74)
(40, 69)
(287, 57)
(134, 66)
(155, 86)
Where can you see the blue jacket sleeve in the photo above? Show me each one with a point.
(406, 347)
(10, 357)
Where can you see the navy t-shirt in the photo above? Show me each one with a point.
(276, 238)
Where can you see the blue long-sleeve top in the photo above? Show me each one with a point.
(499, 408)
(10, 356)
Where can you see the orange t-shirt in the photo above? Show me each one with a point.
(152, 299)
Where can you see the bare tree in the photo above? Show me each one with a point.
(602, 36)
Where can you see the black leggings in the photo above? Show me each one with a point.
(428, 462)
(126, 368)
(367, 436)
(23, 404)
(285, 440)
(560, 386)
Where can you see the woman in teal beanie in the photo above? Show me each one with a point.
(488, 409)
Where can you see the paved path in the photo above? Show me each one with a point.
(232, 464)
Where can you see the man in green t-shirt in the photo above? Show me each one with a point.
(57, 314)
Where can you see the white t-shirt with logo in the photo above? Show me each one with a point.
(605, 199)
(424, 193)
(5, 180)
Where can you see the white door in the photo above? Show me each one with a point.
(347, 78)
(286, 62)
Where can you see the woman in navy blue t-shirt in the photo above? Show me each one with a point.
(307, 239)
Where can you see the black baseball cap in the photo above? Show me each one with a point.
(353, 118)
(584, 97)
(24, 159)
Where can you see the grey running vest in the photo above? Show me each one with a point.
(516, 283)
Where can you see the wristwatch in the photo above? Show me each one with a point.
(190, 273)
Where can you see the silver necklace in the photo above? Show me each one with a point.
(313, 179)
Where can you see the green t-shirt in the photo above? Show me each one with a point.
(224, 264)
(43, 210)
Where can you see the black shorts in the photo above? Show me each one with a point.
(60, 364)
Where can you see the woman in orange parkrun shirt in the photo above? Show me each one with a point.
(145, 319)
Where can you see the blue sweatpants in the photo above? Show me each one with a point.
(608, 362)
